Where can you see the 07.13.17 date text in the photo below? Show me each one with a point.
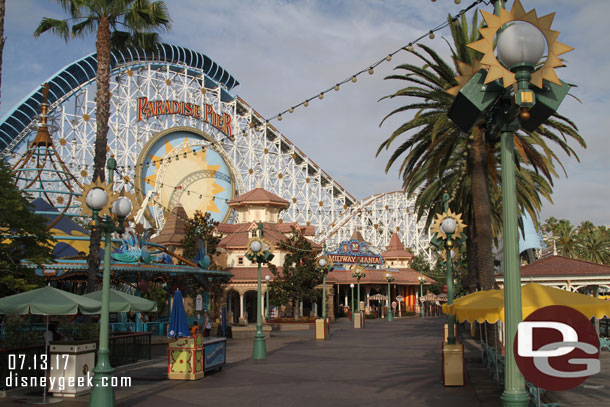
(18, 361)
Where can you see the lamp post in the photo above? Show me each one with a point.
(358, 273)
(259, 252)
(95, 201)
(389, 278)
(352, 308)
(422, 280)
(267, 278)
(323, 266)
(490, 93)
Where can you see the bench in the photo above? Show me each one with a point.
(536, 394)
(604, 343)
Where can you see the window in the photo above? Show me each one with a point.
(240, 261)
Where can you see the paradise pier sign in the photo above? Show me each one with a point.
(152, 108)
(355, 252)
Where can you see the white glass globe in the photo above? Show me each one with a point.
(351, 285)
(448, 225)
(520, 43)
(96, 198)
(267, 278)
(256, 246)
(322, 262)
(387, 275)
(121, 207)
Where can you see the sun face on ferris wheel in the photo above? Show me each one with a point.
(183, 167)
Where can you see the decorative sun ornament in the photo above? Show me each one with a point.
(440, 217)
(495, 69)
(467, 71)
(129, 195)
(358, 271)
(97, 184)
(328, 266)
(265, 246)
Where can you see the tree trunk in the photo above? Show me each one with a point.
(482, 210)
(471, 257)
(102, 114)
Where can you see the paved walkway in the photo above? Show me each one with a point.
(397, 362)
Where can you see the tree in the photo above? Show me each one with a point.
(2, 39)
(437, 156)
(298, 278)
(586, 242)
(117, 24)
(24, 237)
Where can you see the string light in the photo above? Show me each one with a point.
(371, 68)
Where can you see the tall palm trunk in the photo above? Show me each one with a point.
(471, 258)
(102, 114)
(482, 209)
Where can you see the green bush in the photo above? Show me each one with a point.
(17, 333)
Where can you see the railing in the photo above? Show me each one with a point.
(28, 369)
(130, 348)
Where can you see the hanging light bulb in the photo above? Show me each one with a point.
(291, 110)
(371, 71)
(457, 1)
(306, 103)
(279, 117)
(354, 79)
(410, 47)
(431, 35)
(336, 87)
(321, 95)
(388, 58)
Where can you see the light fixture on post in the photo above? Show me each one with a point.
(489, 94)
(323, 265)
(108, 211)
(259, 251)
(447, 231)
(389, 278)
(358, 273)
(422, 280)
(267, 278)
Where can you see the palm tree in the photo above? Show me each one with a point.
(436, 155)
(2, 39)
(117, 24)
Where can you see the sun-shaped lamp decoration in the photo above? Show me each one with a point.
(95, 199)
(536, 32)
(259, 250)
(447, 226)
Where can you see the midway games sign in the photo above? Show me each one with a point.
(355, 252)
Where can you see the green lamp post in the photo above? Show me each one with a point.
(352, 308)
(488, 93)
(389, 278)
(95, 202)
(358, 273)
(324, 265)
(267, 278)
(421, 280)
(259, 251)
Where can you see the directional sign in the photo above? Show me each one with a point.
(422, 299)
(399, 298)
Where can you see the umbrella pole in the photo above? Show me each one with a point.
(481, 342)
(46, 372)
(487, 344)
(497, 349)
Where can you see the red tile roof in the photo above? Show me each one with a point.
(563, 266)
(249, 274)
(395, 249)
(258, 196)
(238, 234)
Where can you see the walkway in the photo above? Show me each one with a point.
(383, 364)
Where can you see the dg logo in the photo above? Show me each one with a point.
(556, 348)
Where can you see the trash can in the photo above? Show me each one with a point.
(70, 364)
(453, 364)
(185, 358)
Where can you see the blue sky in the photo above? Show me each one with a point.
(283, 52)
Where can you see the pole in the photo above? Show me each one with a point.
(102, 393)
(267, 299)
(358, 299)
(259, 351)
(450, 318)
(514, 383)
(324, 297)
(421, 295)
(389, 304)
(352, 308)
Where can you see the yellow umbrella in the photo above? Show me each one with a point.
(489, 305)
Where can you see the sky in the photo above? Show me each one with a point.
(283, 52)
